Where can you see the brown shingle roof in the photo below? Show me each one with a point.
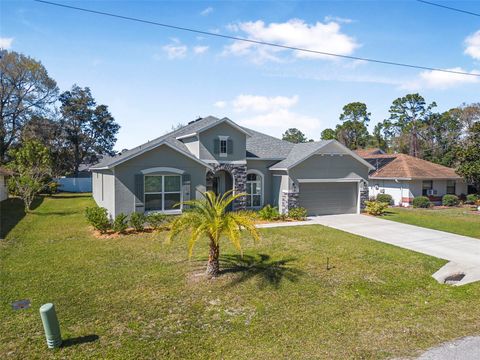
(409, 167)
(368, 152)
(4, 171)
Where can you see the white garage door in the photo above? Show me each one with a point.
(329, 198)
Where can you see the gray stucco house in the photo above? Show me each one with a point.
(217, 154)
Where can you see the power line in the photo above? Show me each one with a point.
(449, 8)
(392, 63)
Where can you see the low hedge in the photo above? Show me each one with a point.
(385, 198)
(421, 202)
(98, 218)
(450, 200)
(471, 199)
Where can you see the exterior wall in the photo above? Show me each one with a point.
(239, 176)
(162, 156)
(329, 167)
(193, 145)
(404, 191)
(3, 188)
(207, 139)
(103, 188)
(280, 186)
(268, 186)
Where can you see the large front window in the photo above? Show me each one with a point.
(254, 190)
(426, 186)
(162, 192)
(451, 187)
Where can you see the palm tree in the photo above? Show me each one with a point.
(209, 218)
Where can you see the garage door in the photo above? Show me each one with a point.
(329, 198)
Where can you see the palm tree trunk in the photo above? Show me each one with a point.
(213, 265)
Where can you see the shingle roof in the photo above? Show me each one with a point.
(4, 171)
(409, 167)
(298, 153)
(267, 147)
(367, 152)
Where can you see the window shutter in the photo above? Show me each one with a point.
(139, 205)
(216, 146)
(187, 187)
(229, 146)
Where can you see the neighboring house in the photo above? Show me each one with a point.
(77, 184)
(405, 177)
(217, 154)
(4, 173)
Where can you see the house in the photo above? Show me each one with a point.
(405, 177)
(217, 154)
(4, 173)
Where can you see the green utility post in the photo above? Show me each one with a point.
(50, 325)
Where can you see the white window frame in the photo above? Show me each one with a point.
(163, 192)
(261, 180)
(220, 140)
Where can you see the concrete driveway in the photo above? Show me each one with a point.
(463, 252)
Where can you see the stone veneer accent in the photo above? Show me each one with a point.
(363, 193)
(239, 175)
(289, 200)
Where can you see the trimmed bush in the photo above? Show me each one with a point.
(98, 218)
(471, 199)
(421, 202)
(375, 208)
(450, 200)
(156, 220)
(297, 213)
(137, 221)
(269, 213)
(120, 224)
(385, 198)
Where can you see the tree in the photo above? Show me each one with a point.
(408, 116)
(209, 218)
(328, 134)
(468, 156)
(353, 132)
(295, 136)
(90, 129)
(25, 90)
(31, 167)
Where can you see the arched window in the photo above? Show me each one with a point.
(254, 189)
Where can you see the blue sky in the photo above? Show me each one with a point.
(152, 78)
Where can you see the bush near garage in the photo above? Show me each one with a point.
(385, 198)
(375, 208)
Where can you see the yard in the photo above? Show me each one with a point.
(460, 221)
(136, 297)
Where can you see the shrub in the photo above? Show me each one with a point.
(156, 220)
(450, 200)
(297, 213)
(375, 208)
(137, 221)
(471, 199)
(269, 213)
(98, 218)
(421, 202)
(120, 224)
(385, 198)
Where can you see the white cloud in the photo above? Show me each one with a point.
(337, 19)
(325, 37)
(220, 104)
(258, 103)
(270, 114)
(472, 43)
(200, 49)
(5, 43)
(432, 79)
(206, 11)
(175, 50)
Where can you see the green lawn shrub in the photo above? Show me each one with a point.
(375, 208)
(120, 224)
(471, 199)
(156, 220)
(98, 218)
(450, 200)
(269, 212)
(385, 198)
(297, 213)
(137, 221)
(421, 202)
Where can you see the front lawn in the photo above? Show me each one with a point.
(135, 297)
(460, 221)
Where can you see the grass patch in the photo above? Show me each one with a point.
(135, 297)
(456, 220)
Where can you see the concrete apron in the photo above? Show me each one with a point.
(463, 252)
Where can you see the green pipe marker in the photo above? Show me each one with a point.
(50, 325)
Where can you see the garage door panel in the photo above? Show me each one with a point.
(328, 198)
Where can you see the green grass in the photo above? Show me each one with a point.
(456, 220)
(143, 298)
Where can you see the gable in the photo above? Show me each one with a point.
(237, 139)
